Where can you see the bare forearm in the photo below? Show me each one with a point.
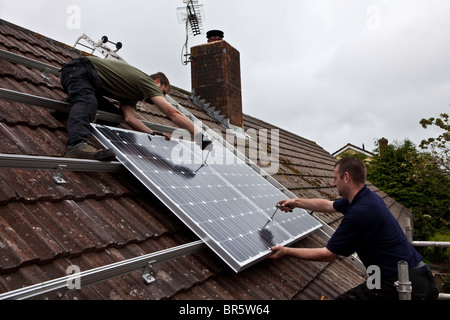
(320, 205)
(129, 115)
(181, 121)
(310, 254)
(176, 116)
(138, 125)
(316, 254)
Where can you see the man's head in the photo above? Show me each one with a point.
(349, 176)
(162, 82)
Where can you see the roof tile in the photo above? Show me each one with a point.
(38, 244)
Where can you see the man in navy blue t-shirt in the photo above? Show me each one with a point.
(369, 229)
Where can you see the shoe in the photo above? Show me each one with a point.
(85, 150)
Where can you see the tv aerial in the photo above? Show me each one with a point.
(192, 16)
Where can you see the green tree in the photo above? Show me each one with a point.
(356, 155)
(415, 180)
(439, 146)
(446, 284)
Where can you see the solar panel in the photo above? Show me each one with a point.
(225, 202)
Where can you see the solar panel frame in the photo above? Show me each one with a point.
(230, 220)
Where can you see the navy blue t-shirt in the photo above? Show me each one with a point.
(369, 229)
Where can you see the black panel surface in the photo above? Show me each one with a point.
(225, 202)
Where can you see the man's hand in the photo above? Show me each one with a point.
(286, 205)
(277, 252)
(318, 205)
(163, 134)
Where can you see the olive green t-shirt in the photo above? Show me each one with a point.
(124, 82)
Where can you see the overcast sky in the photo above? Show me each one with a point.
(335, 72)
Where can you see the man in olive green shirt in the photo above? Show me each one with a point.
(88, 79)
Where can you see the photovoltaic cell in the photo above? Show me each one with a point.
(225, 202)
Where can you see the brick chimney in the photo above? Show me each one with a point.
(216, 76)
(382, 144)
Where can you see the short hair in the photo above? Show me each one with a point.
(355, 168)
(162, 78)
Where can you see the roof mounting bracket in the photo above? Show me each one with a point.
(148, 278)
(59, 173)
(45, 76)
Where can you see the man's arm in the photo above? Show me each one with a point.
(129, 114)
(320, 205)
(176, 116)
(310, 254)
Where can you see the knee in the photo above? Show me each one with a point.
(84, 105)
(88, 100)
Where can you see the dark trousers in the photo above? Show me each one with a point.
(83, 86)
(423, 288)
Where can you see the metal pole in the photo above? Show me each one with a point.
(440, 244)
(403, 284)
(408, 230)
(444, 296)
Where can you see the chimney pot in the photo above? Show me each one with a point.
(214, 35)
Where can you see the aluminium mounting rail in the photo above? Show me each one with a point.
(59, 287)
(16, 58)
(14, 161)
(62, 106)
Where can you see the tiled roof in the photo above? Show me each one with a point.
(350, 147)
(96, 219)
